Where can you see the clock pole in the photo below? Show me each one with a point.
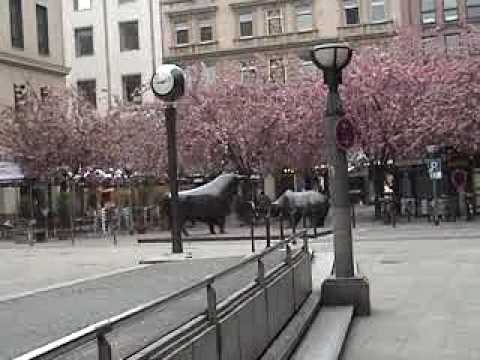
(168, 84)
(170, 119)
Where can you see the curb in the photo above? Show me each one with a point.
(69, 283)
(223, 238)
(146, 262)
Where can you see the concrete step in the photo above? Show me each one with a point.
(288, 340)
(285, 344)
(327, 334)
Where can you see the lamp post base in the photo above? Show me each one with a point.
(347, 291)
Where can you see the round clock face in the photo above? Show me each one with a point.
(162, 82)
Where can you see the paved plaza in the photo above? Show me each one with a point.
(424, 283)
(51, 290)
(425, 293)
(27, 268)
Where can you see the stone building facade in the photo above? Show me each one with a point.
(113, 48)
(31, 46)
(209, 31)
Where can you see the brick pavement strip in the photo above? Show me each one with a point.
(38, 319)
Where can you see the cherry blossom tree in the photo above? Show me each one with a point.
(45, 134)
(254, 126)
(133, 138)
(402, 96)
(407, 93)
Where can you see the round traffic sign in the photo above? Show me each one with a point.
(345, 134)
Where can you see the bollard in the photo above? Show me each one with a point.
(354, 220)
(260, 272)
(252, 226)
(267, 225)
(252, 234)
(305, 242)
(282, 234)
(288, 255)
(104, 347)
(30, 236)
(211, 304)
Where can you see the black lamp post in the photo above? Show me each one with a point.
(168, 84)
(343, 288)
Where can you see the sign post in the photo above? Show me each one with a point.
(435, 174)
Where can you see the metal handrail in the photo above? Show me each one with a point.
(101, 328)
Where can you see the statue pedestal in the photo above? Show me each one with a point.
(347, 291)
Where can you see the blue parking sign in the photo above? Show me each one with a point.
(434, 169)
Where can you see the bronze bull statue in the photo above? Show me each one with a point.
(295, 205)
(209, 203)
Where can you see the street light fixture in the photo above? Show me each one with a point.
(343, 288)
(332, 59)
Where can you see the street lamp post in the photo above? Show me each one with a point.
(168, 83)
(345, 287)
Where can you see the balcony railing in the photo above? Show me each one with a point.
(367, 29)
(277, 39)
(194, 48)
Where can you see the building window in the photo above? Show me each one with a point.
(428, 12)
(452, 43)
(248, 73)
(209, 73)
(84, 41)
(450, 10)
(304, 17)
(378, 10)
(276, 70)
(44, 91)
(80, 5)
(42, 30)
(430, 45)
(206, 32)
(473, 9)
(20, 92)
(246, 25)
(131, 85)
(309, 67)
(352, 14)
(16, 23)
(87, 89)
(181, 34)
(128, 35)
(274, 21)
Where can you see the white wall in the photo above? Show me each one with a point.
(120, 63)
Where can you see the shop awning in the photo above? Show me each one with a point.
(10, 173)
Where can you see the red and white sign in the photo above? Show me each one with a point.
(345, 134)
